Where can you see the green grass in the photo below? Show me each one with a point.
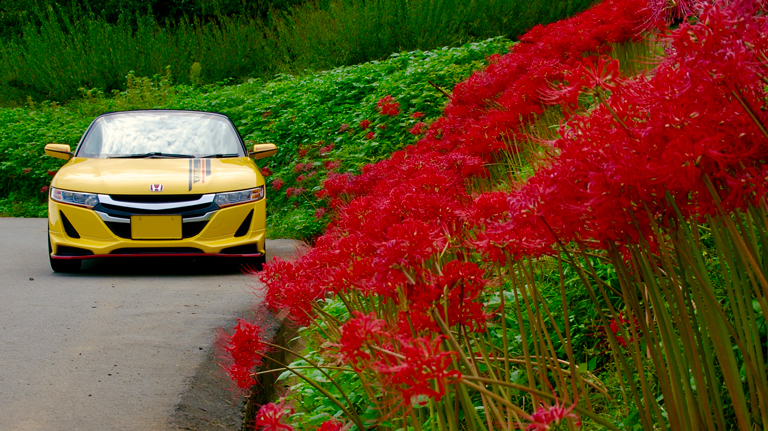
(60, 54)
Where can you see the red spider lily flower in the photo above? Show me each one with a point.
(292, 289)
(266, 172)
(546, 417)
(319, 213)
(423, 366)
(243, 352)
(44, 189)
(277, 184)
(382, 126)
(303, 152)
(624, 323)
(417, 115)
(590, 74)
(387, 106)
(271, 417)
(365, 124)
(332, 425)
(26, 170)
(326, 149)
(370, 135)
(294, 191)
(52, 172)
(356, 333)
(344, 127)
(331, 164)
(665, 11)
(418, 128)
(301, 178)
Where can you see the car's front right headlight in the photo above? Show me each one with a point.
(88, 200)
(241, 197)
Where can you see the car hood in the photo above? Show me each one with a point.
(177, 176)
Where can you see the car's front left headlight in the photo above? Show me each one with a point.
(88, 200)
(240, 197)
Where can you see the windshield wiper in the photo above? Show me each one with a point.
(153, 155)
(219, 156)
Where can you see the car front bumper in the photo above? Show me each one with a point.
(78, 233)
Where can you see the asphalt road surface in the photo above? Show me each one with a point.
(111, 348)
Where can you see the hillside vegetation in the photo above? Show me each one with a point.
(300, 114)
(56, 53)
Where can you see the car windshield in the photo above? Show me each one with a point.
(161, 134)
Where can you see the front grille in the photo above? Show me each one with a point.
(154, 199)
(188, 230)
(123, 230)
(157, 250)
(119, 211)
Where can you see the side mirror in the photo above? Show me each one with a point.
(262, 151)
(60, 151)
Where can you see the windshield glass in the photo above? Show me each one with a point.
(161, 134)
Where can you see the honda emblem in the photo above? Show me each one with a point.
(155, 187)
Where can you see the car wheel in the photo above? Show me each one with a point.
(59, 265)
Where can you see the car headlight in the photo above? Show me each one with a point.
(88, 200)
(241, 197)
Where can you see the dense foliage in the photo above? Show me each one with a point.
(60, 54)
(300, 114)
(456, 281)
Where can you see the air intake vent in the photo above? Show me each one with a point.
(245, 227)
(68, 228)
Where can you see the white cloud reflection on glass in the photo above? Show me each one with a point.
(185, 133)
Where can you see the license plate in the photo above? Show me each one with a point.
(156, 227)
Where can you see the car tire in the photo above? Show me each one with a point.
(60, 265)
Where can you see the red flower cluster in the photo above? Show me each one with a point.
(406, 365)
(399, 212)
(271, 417)
(648, 139)
(242, 352)
(365, 124)
(277, 184)
(418, 128)
(330, 165)
(294, 191)
(326, 149)
(266, 172)
(654, 141)
(331, 425)
(387, 106)
(545, 417)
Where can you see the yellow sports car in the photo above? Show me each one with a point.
(157, 183)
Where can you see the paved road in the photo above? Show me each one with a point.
(111, 348)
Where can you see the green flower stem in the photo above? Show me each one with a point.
(538, 393)
(354, 417)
